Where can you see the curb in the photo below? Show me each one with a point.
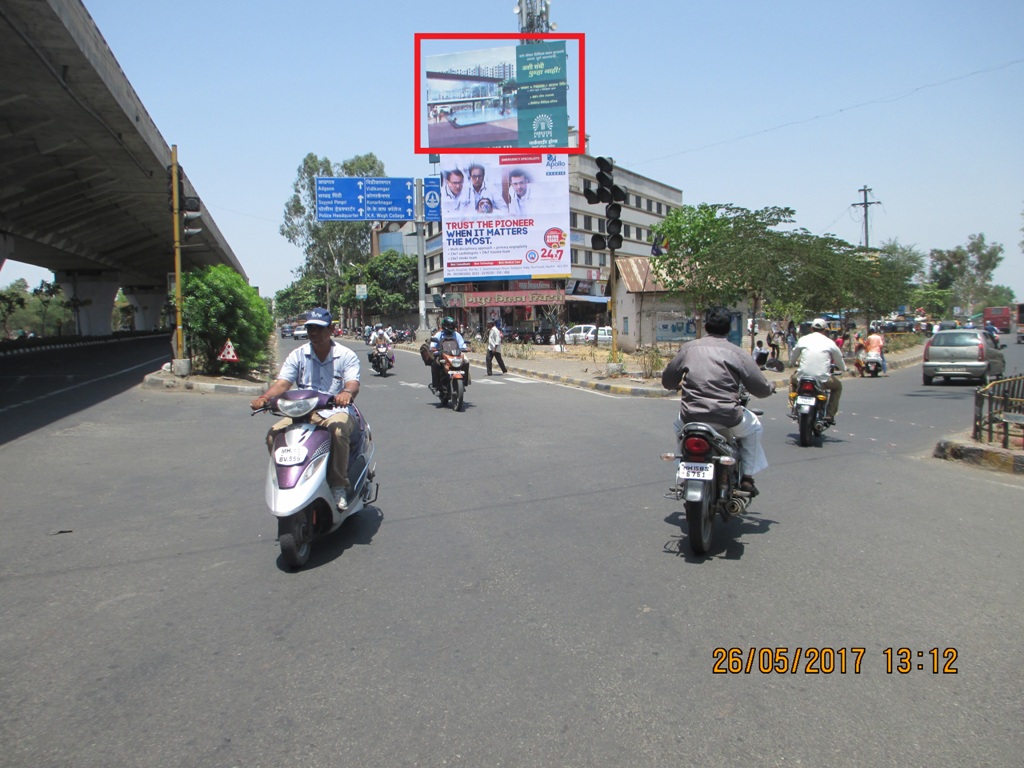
(992, 458)
(162, 380)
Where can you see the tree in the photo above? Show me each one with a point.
(391, 287)
(328, 245)
(912, 258)
(966, 270)
(46, 293)
(12, 298)
(996, 296)
(932, 300)
(217, 305)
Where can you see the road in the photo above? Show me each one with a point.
(521, 594)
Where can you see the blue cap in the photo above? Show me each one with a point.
(319, 316)
(497, 324)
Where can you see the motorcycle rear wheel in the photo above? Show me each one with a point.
(296, 539)
(806, 428)
(699, 523)
(458, 393)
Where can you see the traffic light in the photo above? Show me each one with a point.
(612, 196)
(170, 188)
(187, 217)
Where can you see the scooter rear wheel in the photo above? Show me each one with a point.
(296, 539)
(699, 524)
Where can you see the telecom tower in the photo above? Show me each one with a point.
(534, 17)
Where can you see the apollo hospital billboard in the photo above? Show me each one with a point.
(505, 216)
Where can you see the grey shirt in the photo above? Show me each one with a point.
(716, 368)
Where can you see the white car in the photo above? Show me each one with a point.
(604, 335)
(578, 334)
(300, 332)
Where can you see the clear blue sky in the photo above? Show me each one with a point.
(752, 103)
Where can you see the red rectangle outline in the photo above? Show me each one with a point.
(579, 37)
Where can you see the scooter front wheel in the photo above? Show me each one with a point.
(699, 522)
(295, 535)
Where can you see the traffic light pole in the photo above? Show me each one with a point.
(175, 204)
(421, 257)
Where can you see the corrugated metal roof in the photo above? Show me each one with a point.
(637, 274)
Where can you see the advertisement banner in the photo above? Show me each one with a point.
(505, 217)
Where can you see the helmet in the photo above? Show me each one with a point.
(818, 324)
(448, 324)
(378, 327)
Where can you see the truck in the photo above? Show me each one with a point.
(1000, 317)
(1020, 323)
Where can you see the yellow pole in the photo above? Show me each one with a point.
(611, 306)
(175, 204)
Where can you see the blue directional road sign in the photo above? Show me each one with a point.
(432, 198)
(355, 198)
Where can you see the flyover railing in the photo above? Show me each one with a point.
(999, 411)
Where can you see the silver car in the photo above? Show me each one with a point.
(963, 353)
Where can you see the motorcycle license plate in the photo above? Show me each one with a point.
(804, 400)
(290, 455)
(689, 470)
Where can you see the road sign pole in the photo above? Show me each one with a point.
(421, 257)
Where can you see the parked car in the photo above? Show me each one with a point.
(287, 331)
(604, 335)
(300, 332)
(963, 353)
(578, 334)
(947, 325)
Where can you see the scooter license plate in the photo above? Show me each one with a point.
(692, 471)
(290, 455)
(804, 400)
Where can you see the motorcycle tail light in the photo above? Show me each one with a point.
(696, 446)
(806, 387)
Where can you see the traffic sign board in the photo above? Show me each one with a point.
(356, 198)
(432, 198)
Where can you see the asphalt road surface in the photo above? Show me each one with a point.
(520, 595)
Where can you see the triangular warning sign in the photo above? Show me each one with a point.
(228, 353)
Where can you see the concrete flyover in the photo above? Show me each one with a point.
(83, 169)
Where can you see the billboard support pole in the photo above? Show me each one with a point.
(421, 257)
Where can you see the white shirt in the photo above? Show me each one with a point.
(306, 371)
(494, 339)
(814, 355)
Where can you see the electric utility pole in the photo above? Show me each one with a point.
(864, 193)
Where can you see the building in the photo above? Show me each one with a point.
(579, 299)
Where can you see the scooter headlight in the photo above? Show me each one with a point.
(295, 408)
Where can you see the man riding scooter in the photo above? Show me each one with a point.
(380, 336)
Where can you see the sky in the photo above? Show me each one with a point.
(792, 103)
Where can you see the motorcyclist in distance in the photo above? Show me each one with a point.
(714, 369)
(380, 336)
(436, 369)
(814, 355)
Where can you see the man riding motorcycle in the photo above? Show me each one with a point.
(436, 369)
(814, 355)
(714, 369)
(380, 336)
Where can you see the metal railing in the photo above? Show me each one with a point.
(999, 407)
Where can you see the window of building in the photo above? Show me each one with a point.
(650, 204)
(574, 255)
(625, 230)
(636, 201)
(659, 209)
(600, 226)
(602, 260)
(625, 325)
(588, 222)
(573, 219)
(588, 258)
(640, 234)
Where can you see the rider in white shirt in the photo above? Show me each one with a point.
(814, 355)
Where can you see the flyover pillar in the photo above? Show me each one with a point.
(148, 301)
(91, 294)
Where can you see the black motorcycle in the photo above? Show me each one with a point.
(380, 359)
(708, 478)
(809, 406)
